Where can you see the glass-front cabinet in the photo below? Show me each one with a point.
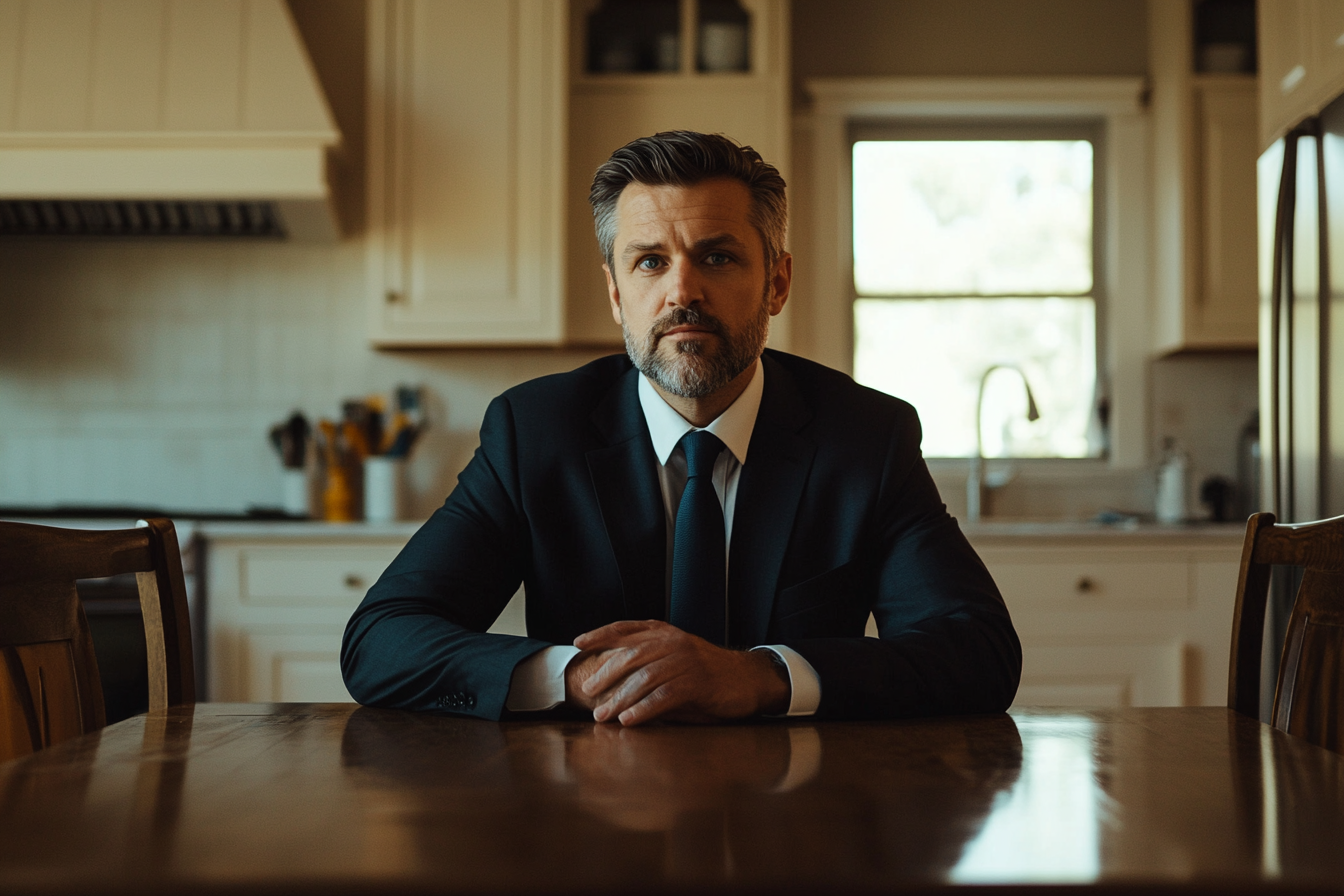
(666, 37)
(642, 66)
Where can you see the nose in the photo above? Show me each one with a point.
(684, 285)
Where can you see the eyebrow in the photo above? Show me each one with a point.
(716, 241)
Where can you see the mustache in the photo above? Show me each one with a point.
(684, 317)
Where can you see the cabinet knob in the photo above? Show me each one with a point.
(1085, 585)
(353, 580)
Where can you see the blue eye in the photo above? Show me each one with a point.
(717, 258)
(649, 263)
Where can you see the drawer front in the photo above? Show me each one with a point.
(1075, 580)
(308, 575)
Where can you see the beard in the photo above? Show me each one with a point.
(698, 368)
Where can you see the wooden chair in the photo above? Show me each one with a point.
(1309, 699)
(49, 685)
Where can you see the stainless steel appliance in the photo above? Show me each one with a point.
(1301, 210)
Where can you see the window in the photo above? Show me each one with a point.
(975, 284)
(1110, 113)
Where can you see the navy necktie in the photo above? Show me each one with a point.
(699, 561)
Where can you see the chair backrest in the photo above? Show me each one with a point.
(49, 686)
(1309, 699)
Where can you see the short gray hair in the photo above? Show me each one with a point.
(683, 159)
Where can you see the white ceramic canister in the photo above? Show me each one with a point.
(296, 489)
(1171, 506)
(384, 488)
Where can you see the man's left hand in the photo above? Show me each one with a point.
(651, 669)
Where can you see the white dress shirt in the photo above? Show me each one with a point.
(538, 681)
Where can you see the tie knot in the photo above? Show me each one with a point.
(702, 448)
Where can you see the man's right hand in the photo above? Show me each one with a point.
(642, 670)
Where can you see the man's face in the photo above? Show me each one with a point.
(689, 286)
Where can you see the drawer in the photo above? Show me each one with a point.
(311, 574)
(1083, 581)
(1101, 673)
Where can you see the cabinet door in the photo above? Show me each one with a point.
(607, 111)
(1226, 303)
(278, 610)
(467, 150)
(1327, 46)
(1286, 69)
(1108, 625)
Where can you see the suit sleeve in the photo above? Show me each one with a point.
(418, 640)
(946, 643)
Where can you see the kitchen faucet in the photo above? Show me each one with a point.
(975, 481)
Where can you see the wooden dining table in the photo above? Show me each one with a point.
(300, 798)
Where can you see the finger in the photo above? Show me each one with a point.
(600, 637)
(662, 702)
(620, 662)
(642, 684)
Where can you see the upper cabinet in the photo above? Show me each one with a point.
(1204, 154)
(487, 121)
(467, 172)
(1301, 61)
(718, 66)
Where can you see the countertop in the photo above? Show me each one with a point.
(982, 532)
(1086, 530)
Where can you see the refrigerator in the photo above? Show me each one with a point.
(1300, 183)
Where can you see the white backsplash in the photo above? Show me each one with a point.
(150, 372)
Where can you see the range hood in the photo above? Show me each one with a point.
(158, 117)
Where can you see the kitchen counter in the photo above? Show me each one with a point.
(1000, 531)
(316, 530)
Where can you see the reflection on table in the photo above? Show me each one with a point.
(237, 796)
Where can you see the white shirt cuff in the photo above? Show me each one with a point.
(804, 684)
(538, 682)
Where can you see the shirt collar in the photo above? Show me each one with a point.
(733, 426)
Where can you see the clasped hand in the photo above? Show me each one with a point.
(636, 671)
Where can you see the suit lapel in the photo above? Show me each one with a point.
(625, 479)
(768, 493)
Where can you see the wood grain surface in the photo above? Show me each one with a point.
(335, 798)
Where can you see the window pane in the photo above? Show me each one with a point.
(933, 353)
(968, 217)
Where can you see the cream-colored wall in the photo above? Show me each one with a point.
(946, 38)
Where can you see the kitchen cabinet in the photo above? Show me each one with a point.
(278, 599)
(1119, 619)
(1205, 148)
(1301, 61)
(1106, 618)
(467, 117)
(608, 109)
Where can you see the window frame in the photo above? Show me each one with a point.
(1089, 129)
(823, 328)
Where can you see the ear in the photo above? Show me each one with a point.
(781, 279)
(614, 295)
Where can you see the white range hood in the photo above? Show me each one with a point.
(149, 117)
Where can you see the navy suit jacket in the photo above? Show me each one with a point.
(836, 516)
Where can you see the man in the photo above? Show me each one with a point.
(702, 495)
